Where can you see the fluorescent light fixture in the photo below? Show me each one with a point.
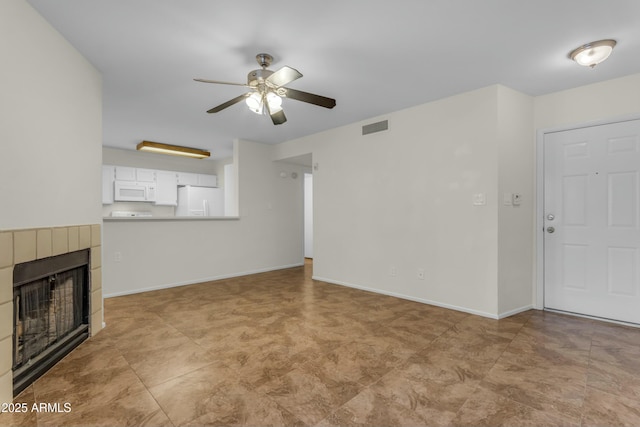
(175, 150)
(591, 54)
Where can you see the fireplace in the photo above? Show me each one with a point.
(51, 300)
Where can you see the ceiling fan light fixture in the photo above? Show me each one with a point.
(274, 101)
(254, 102)
(174, 150)
(591, 54)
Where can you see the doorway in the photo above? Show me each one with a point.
(591, 221)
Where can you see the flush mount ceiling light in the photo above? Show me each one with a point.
(591, 54)
(175, 150)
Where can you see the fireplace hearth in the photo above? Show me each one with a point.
(51, 299)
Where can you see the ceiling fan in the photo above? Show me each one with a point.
(267, 88)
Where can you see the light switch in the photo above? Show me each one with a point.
(479, 199)
(506, 199)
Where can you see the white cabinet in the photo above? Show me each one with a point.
(166, 182)
(166, 188)
(145, 175)
(108, 177)
(186, 178)
(125, 173)
(199, 179)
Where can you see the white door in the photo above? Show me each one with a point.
(591, 208)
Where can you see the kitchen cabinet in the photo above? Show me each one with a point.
(166, 188)
(166, 182)
(145, 175)
(108, 177)
(186, 178)
(199, 179)
(125, 173)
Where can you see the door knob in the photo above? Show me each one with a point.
(550, 229)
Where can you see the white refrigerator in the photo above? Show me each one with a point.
(200, 201)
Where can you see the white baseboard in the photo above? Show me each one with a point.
(408, 297)
(199, 280)
(515, 311)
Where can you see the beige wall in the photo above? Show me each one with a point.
(268, 234)
(51, 133)
(133, 158)
(612, 99)
(403, 199)
(515, 223)
(50, 178)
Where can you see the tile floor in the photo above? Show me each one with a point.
(280, 349)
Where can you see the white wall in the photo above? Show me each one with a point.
(515, 222)
(140, 159)
(268, 235)
(51, 132)
(403, 198)
(308, 215)
(611, 99)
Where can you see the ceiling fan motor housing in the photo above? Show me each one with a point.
(258, 77)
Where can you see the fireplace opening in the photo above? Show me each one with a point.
(50, 313)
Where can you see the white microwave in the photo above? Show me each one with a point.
(129, 191)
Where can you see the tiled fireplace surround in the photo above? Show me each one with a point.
(17, 246)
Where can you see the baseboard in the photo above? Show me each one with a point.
(408, 297)
(200, 280)
(515, 311)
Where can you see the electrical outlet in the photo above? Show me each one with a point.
(421, 273)
(117, 256)
(393, 271)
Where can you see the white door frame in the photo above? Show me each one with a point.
(539, 182)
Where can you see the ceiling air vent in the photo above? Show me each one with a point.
(375, 127)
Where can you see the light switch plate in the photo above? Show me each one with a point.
(479, 199)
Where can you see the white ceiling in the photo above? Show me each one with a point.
(372, 56)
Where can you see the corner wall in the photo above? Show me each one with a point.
(515, 222)
(51, 133)
(403, 200)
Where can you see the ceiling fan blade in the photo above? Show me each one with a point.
(282, 77)
(221, 83)
(278, 117)
(311, 98)
(277, 114)
(228, 103)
